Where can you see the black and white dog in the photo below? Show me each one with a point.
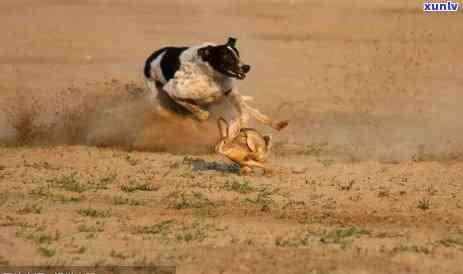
(189, 79)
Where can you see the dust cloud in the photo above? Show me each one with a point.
(120, 116)
(349, 134)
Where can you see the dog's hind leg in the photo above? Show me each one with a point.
(245, 111)
(153, 98)
(266, 119)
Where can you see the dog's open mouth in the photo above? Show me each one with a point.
(236, 74)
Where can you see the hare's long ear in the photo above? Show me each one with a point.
(223, 128)
(234, 128)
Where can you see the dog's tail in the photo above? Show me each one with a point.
(151, 85)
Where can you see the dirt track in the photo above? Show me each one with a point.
(368, 175)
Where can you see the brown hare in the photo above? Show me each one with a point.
(244, 146)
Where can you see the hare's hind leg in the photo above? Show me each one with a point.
(253, 163)
(245, 170)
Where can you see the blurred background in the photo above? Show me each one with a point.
(358, 79)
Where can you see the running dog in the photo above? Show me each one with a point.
(186, 80)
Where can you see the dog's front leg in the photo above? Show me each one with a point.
(245, 111)
(238, 103)
(200, 114)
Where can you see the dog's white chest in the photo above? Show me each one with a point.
(196, 82)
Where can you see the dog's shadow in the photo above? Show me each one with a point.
(198, 164)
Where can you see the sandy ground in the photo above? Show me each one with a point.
(368, 176)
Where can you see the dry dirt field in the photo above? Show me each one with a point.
(368, 175)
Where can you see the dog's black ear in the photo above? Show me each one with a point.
(204, 53)
(231, 42)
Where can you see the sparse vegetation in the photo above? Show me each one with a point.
(297, 240)
(98, 227)
(46, 238)
(192, 232)
(137, 186)
(47, 251)
(47, 193)
(67, 198)
(343, 236)
(169, 230)
(311, 219)
(40, 165)
(263, 199)
(132, 161)
(38, 236)
(108, 179)
(346, 186)
(94, 213)
(411, 248)
(120, 254)
(451, 242)
(184, 200)
(119, 200)
(207, 212)
(160, 228)
(31, 209)
(81, 250)
(383, 194)
(424, 204)
(68, 182)
(240, 186)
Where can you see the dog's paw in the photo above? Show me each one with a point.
(281, 125)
